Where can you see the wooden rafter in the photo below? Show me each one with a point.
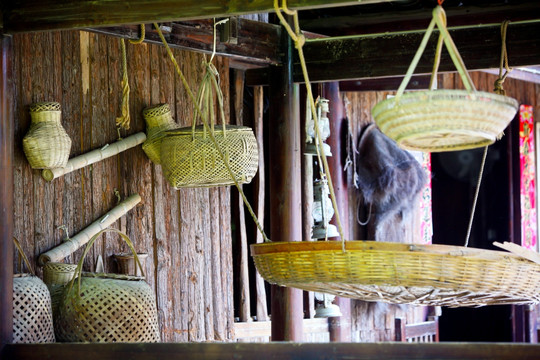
(386, 55)
(40, 15)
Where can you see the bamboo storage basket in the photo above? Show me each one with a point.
(46, 145)
(107, 307)
(190, 158)
(443, 120)
(56, 276)
(437, 275)
(32, 313)
(158, 119)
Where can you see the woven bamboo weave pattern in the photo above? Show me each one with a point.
(158, 119)
(107, 307)
(401, 273)
(32, 314)
(445, 120)
(46, 145)
(56, 276)
(190, 158)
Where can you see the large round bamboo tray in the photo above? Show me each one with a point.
(190, 158)
(397, 273)
(445, 120)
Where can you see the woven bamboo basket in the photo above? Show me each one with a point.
(32, 312)
(443, 120)
(158, 119)
(190, 158)
(397, 273)
(127, 265)
(46, 145)
(56, 276)
(107, 307)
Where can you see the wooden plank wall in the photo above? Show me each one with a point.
(186, 233)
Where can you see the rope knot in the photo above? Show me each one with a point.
(299, 41)
(499, 86)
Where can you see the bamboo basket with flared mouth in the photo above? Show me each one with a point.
(158, 120)
(443, 120)
(437, 275)
(46, 145)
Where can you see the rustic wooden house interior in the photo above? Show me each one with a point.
(301, 82)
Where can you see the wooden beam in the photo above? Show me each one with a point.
(274, 351)
(396, 16)
(285, 190)
(385, 84)
(257, 42)
(6, 190)
(382, 55)
(40, 15)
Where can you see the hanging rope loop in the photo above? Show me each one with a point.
(504, 61)
(141, 39)
(122, 122)
(299, 41)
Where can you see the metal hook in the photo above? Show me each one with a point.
(66, 235)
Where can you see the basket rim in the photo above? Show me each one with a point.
(452, 94)
(199, 129)
(370, 245)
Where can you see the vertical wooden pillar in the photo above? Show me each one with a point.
(285, 190)
(340, 327)
(6, 192)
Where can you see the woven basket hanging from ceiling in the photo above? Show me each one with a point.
(443, 120)
(158, 119)
(32, 312)
(46, 145)
(198, 156)
(99, 307)
(437, 275)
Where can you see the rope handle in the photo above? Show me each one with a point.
(209, 86)
(23, 255)
(439, 20)
(212, 137)
(78, 270)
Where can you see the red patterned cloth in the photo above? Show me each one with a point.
(527, 177)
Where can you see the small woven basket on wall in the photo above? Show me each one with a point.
(32, 312)
(158, 120)
(438, 275)
(46, 145)
(107, 307)
(443, 120)
(56, 276)
(207, 155)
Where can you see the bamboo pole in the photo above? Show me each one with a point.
(70, 246)
(95, 156)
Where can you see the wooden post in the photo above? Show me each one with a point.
(6, 193)
(340, 327)
(285, 190)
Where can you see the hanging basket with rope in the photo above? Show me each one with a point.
(207, 155)
(443, 120)
(404, 273)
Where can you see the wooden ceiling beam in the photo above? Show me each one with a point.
(255, 44)
(396, 16)
(42, 15)
(386, 55)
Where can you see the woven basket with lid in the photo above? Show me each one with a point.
(158, 120)
(46, 145)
